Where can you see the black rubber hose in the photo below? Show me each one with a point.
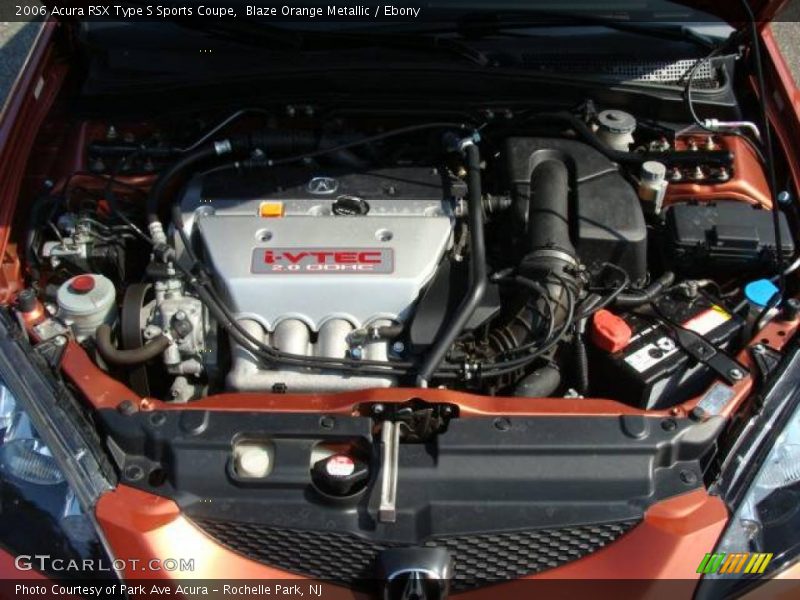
(717, 157)
(650, 293)
(478, 268)
(542, 383)
(581, 362)
(154, 199)
(113, 355)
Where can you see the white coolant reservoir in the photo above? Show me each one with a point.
(86, 302)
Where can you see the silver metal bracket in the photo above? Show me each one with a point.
(390, 442)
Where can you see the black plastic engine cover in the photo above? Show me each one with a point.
(481, 475)
(726, 236)
(297, 183)
(606, 219)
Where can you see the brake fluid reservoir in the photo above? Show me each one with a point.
(86, 302)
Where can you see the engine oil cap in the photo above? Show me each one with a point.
(610, 332)
(340, 465)
(82, 284)
(340, 475)
(350, 206)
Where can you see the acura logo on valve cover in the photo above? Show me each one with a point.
(323, 185)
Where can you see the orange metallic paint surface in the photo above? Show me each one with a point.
(28, 105)
(748, 182)
(775, 335)
(784, 105)
(103, 391)
(672, 538)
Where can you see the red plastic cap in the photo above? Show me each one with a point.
(82, 284)
(610, 332)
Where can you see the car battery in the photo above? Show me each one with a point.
(652, 371)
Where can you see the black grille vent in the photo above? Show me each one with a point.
(349, 559)
(662, 72)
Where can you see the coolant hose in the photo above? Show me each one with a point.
(167, 178)
(539, 384)
(478, 269)
(136, 356)
(650, 293)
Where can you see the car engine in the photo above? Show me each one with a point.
(565, 255)
(321, 264)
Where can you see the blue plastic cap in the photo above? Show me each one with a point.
(760, 292)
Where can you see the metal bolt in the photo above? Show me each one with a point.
(759, 349)
(60, 340)
(398, 347)
(378, 409)
(357, 353)
(784, 198)
(736, 374)
(127, 407)
(669, 425)
(134, 472)
(158, 419)
(291, 111)
(688, 477)
(180, 315)
(111, 133)
(327, 422)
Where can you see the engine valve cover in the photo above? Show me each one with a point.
(310, 261)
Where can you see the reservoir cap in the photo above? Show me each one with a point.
(760, 292)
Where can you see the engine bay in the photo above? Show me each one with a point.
(584, 253)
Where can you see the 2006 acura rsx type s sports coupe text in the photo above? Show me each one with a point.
(404, 307)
